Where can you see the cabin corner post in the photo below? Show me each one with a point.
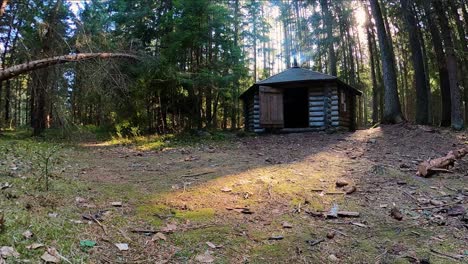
(352, 125)
(256, 113)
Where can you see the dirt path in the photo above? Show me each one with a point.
(260, 199)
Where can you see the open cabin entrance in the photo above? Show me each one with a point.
(296, 107)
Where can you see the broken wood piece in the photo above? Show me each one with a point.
(315, 242)
(197, 174)
(348, 214)
(359, 224)
(349, 189)
(395, 213)
(343, 214)
(276, 237)
(428, 167)
(341, 183)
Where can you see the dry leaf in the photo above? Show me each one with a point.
(169, 228)
(122, 246)
(27, 234)
(159, 235)
(8, 252)
(205, 258)
(211, 245)
(49, 258)
(35, 246)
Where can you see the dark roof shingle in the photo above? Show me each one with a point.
(296, 74)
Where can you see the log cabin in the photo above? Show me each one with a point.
(297, 100)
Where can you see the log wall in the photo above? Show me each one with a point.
(252, 113)
(323, 107)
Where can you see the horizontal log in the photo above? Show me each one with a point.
(316, 113)
(316, 124)
(317, 118)
(315, 103)
(316, 108)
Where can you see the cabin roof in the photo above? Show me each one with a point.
(297, 74)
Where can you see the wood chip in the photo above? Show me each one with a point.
(226, 189)
(211, 245)
(116, 204)
(122, 246)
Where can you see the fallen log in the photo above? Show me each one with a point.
(429, 167)
(16, 70)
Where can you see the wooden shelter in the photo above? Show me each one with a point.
(298, 99)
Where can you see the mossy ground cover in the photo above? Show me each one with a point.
(202, 184)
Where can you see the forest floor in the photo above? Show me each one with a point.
(255, 199)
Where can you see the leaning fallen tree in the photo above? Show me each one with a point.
(429, 167)
(16, 70)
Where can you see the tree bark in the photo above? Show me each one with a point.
(444, 82)
(451, 60)
(328, 19)
(463, 46)
(422, 100)
(16, 70)
(392, 107)
(2, 7)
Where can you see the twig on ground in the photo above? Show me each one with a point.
(99, 223)
(435, 206)
(451, 256)
(197, 174)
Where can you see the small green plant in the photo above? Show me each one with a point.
(46, 159)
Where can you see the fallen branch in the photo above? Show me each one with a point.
(451, 256)
(197, 174)
(16, 70)
(99, 223)
(428, 167)
(436, 206)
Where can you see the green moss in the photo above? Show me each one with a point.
(155, 214)
(199, 215)
(194, 241)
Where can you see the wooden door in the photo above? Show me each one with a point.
(271, 107)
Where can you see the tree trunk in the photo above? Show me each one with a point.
(392, 108)
(444, 82)
(451, 60)
(463, 46)
(375, 91)
(2, 7)
(328, 19)
(422, 100)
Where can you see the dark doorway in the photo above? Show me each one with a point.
(296, 108)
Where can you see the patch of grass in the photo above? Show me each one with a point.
(199, 215)
(193, 242)
(155, 214)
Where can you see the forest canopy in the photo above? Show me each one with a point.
(195, 57)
